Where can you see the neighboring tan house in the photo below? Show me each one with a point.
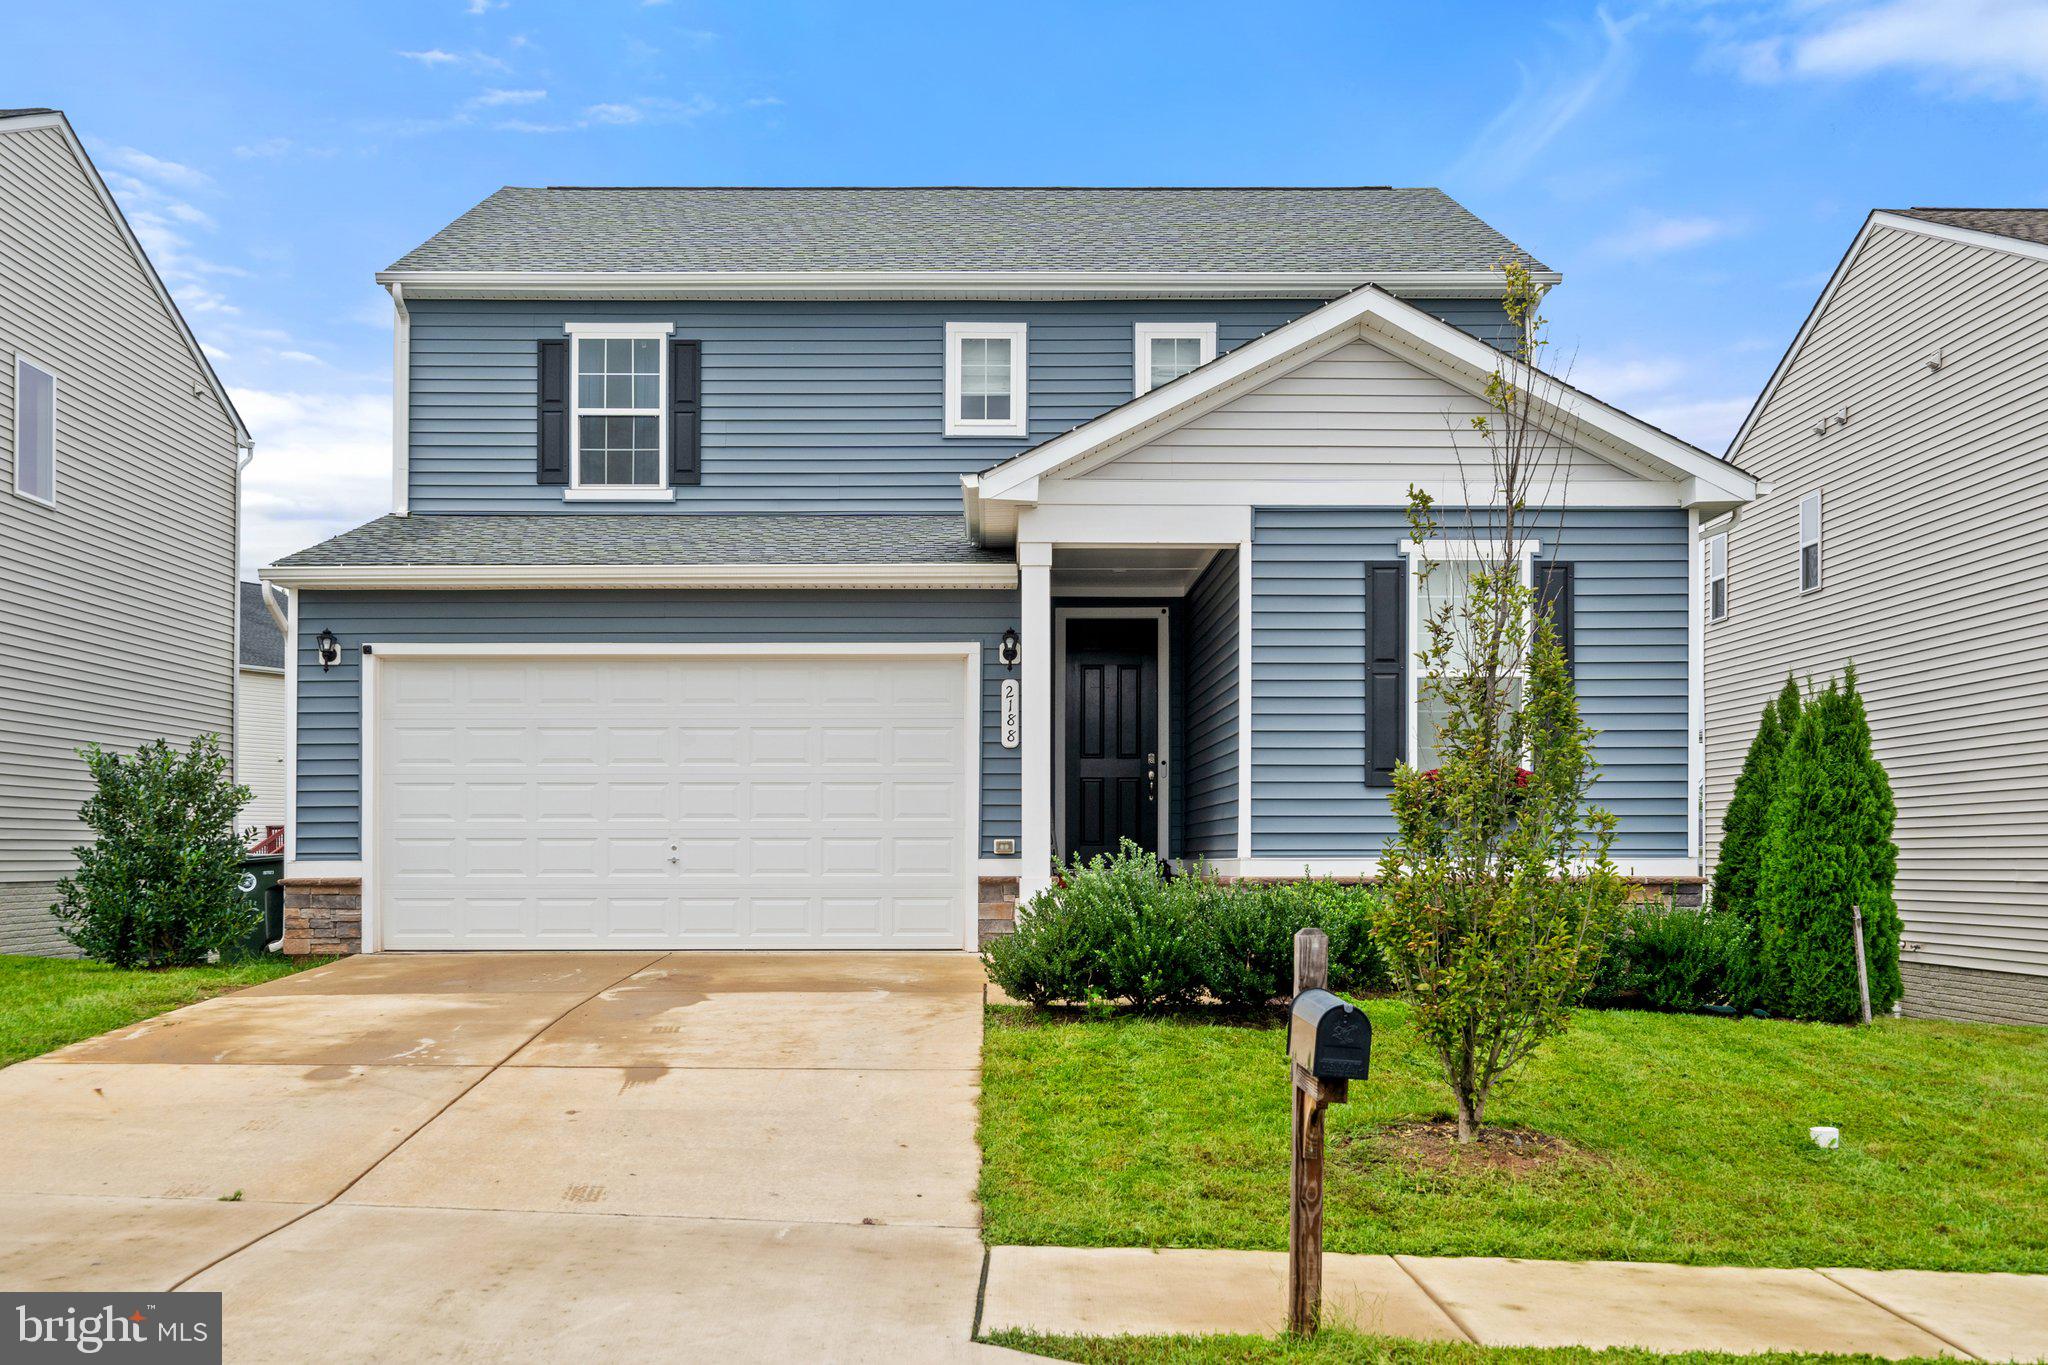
(119, 470)
(1906, 529)
(810, 567)
(259, 713)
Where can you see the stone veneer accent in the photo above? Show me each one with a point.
(323, 916)
(1938, 992)
(998, 907)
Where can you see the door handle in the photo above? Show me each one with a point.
(1152, 775)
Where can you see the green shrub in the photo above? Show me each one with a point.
(1742, 825)
(1670, 957)
(1248, 944)
(158, 886)
(1829, 847)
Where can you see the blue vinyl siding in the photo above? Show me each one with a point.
(1308, 663)
(1209, 762)
(330, 704)
(808, 406)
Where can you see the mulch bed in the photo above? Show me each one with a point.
(1434, 1143)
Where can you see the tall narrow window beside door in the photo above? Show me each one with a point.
(1809, 543)
(1164, 351)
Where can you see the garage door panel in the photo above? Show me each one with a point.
(673, 802)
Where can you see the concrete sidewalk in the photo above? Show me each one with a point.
(1894, 1313)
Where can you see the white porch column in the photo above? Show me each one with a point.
(1034, 574)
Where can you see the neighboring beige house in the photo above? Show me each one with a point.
(120, 459)
(259, 713)
(1904, 444)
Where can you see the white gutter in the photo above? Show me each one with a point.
(401, 402)
(482, 576)
(281, 615)
(945, 284)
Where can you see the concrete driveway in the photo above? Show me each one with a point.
(514, 1155)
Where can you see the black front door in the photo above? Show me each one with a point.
(1112, 710)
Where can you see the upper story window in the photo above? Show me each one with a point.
(1717, 577)
(620, 399)
(1809, 543)
(35, 431)
(985, 370)
(1165, 351)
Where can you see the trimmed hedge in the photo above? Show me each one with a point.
(1671, 957)
(1119, 928)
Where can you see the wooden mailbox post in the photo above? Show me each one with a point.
(1342, 1043)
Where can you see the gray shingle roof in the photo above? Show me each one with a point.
(2027, 225)
(262, 641)
(1372, 228)
(646, 538)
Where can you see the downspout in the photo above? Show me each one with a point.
(401, 402)
(271, 594)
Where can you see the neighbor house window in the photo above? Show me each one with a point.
(1167, 350)
(1452, 565)
(1717, 577)
(35, 431)
(985, 371)
(1809, 543)
(620, 397)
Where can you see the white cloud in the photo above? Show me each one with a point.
(485, 6)
(1973, 47)
(432, 56)
(760, 102)
(1621, 379)
(301, 357)
(1549, 102)
(156, 168)
(1657, 235)
(268, 147)
(323, 465)
(613, 113)
(496, 99)
(1708, 423)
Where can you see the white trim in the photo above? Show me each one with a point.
(967, 652)
(49, 371)
(1163, 719)
(1244, 698)
(28, 123)
(578, 491)
(1696, 704)
(1018, 423)
(264, 669)
(401, 403)
(1647, 869)
(339, 868)
(482, 576)
(1034, 750)
(291, 718)
(1143, 334)
(1717, 554)
(1456, 356)
(997, 867)
(947, 284)
(1436, 551)
(617, 492)
(1820, 568)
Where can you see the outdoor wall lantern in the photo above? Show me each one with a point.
(1010, 650)
(329, 650)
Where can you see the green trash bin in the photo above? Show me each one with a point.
(263, 887)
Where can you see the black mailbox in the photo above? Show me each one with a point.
(1329, 1038)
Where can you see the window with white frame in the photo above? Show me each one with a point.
(985, 374)
(35, 431)
(1717, 577)
(1809, 543)
(1452, 566)
(1165, 351)
(620, 397)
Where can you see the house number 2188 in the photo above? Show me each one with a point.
(1013, 718)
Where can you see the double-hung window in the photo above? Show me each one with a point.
(1452, 565)
(1809, 543)
(985, 379)
(620, 397)
(1164, 351)
(35, 431)
(1717, 577)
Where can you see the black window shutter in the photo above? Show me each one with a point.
(1556, 588)
(685, 412)
(1386, 671)
(552, 456)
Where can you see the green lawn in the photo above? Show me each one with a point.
(46, 1002)
(1345, 1348)
(1688, 1132)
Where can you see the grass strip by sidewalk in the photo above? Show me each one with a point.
(1347, 1348)
(47, 1002)
(1685, 1140)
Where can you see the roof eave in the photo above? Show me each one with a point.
(460, 577)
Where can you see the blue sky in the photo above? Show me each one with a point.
(1695, 169)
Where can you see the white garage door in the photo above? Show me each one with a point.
(686, 802)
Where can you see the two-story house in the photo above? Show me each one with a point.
(120, 467)
(1906, 416)
(811, 567)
